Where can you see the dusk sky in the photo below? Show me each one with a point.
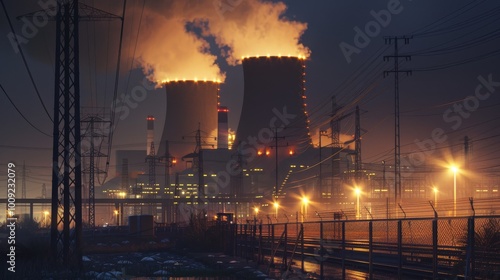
(453, 92)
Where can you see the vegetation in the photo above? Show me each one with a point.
(486, 260)
(201, 235)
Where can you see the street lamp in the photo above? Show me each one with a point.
(454, 169)
(305, 201)
(435, 196)
(116, 215)
(276, 207)
(45, 214)
(358, 193)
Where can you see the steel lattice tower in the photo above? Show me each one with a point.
(397, 131)
(93, 154)
(66, 223)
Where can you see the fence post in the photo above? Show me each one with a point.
(302, 246)
(470, 262)
(260, 257)
(246, 241)
(285, 247)
(370, 249)
(343, 250)
(272, 244)
(435, 248)
(269, 239)
(321, 250)
(400, 249)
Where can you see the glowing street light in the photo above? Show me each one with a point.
(45, 214)
(117, 217)
(454, 169)
(276, 207)
(358, 193)
(305, 201)
(435, 190)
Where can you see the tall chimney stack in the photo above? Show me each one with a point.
(150, 133)
(222, 129)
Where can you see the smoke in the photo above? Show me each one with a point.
(172, 40)
(167, 51)
(255, 28)
(173, 37)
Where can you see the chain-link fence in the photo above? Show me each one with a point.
(463, 247)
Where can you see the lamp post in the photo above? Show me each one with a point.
(455, 170)
(276, 207)
(117, 217)
(256, 210)
(45, 214)
(435, 196)
(358, 192)
(305, 201)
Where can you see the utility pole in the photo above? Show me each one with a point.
(197, 156)
(335, 123)
(467, 149)
(276, 190)
(66, 157)
(152, 160)
(169, 161)
(66, 211)
(383, 177)
(93, 136)
(44, 190)
(321, 133)
(357, 142)
(397, 143)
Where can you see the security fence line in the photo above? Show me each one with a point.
(462, 247)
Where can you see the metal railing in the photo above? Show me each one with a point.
(456, 247)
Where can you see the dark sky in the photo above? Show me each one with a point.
(454, 43)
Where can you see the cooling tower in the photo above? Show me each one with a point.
(191, 105)
(274, 98)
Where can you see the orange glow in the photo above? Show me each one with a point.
(174, 160)
(223, 110)
(268, 152)
(259, 152)
(179, 55)
(305, 200)
(185, 54)
(301, 57)
(291, 152)
(167, 81)
(150, 118)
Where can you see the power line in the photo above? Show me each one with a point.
(25, 62)
(17, 109)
